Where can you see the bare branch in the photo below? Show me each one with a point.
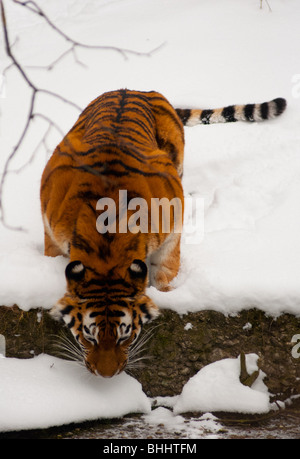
(35, 91)
(35, 8)
(30, 116)
(51, 66)
(8, 49)
(42, 142)
(261, 2)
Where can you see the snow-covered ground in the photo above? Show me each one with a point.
(214, 53)
(46, 391)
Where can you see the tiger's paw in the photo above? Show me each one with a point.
(160, 281)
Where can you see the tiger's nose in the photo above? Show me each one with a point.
(101, 371)
(106, 373)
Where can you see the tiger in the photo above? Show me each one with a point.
(123, 140)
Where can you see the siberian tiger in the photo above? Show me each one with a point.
(123, 140)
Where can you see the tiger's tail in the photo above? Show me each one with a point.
(249, 112)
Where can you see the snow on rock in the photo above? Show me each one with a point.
(31, 280)
(217, 387)
(46, 391)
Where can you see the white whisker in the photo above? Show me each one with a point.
(68, 349)
(135, 359)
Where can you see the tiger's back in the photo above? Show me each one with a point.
(131, 142)
(124, 140)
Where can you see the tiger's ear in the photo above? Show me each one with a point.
(138, 272)
(75, 271)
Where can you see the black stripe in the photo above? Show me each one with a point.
(116, 312)
(134, 170)
(122, 147)
(107, 282)
(71, 324)
(184, 114)
(87, 196)
(248, 112)
(228, 114)
(99, 168)
(144, 309)
(264, 110)
(107, 312)
(87, 153)
(104, 251)
(94, 304)
(143, 107)
(66, 310)
(160, 108)
(280, 105)
(79, 242)
(205, 116)
(130, 134)
(106, 296)
(146, 129)
(167, 177)
(98, 313)
(107, 147)
(80, 122)
(122, 103)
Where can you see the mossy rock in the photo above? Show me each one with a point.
(181, 345)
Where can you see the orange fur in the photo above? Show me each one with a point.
(123, 140)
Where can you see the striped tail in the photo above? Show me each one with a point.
(249, 112)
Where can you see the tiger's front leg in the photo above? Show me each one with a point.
(165, 263)
(50, 248)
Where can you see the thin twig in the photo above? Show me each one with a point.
(35, 8)
(30, 116)
(51, 66)
(261, 1)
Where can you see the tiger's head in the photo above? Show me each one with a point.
(105, 315)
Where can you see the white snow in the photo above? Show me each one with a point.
(205, 426)
(217, 387)
(214, 54)
(46, 391)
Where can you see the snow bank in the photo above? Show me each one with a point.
(46, 391)
(31, 280)
(217, 387)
